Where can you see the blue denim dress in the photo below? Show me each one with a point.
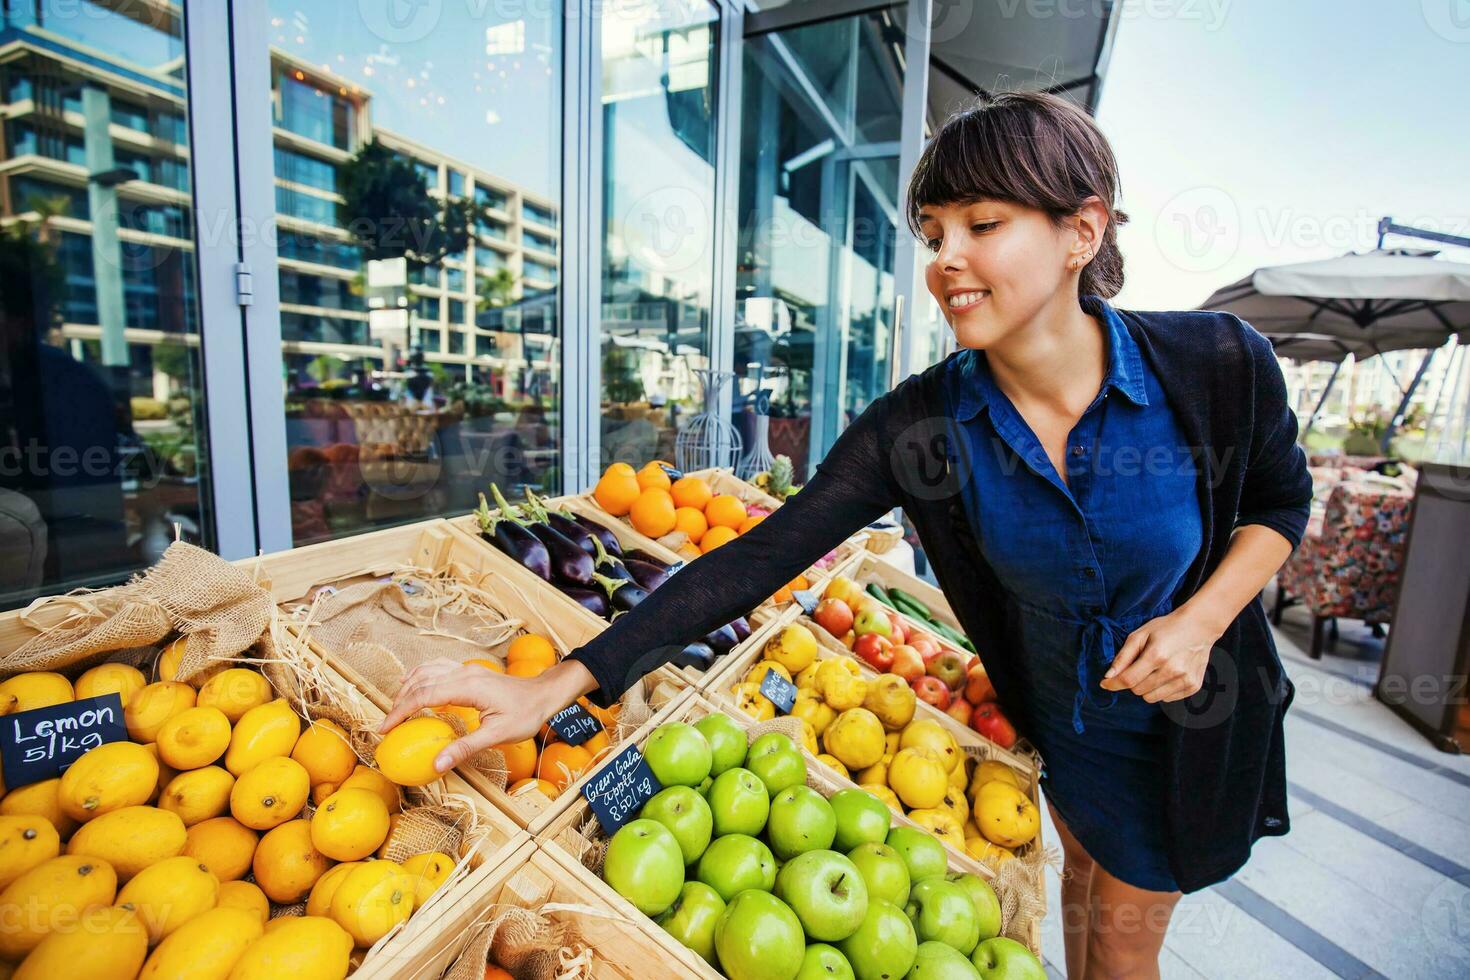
(1084, 563)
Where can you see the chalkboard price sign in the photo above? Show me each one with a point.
(779, 691)
(807, 600)
(41, 743)
(573, 725)
(619, 789)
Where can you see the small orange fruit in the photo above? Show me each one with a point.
(548, 788)
(520, 759)
(562, 764)
(750, 522)
(620, 469)
(493, 972)
(800, 582)
(530, 647)
(691, 491)
(608, 716)
(691, 522)
(653, 513)
(598, 744)
(617, 492)
(653, 477)
(715, 537)
(726, 510)
(525, 668)
(487, 664)
(468, 717)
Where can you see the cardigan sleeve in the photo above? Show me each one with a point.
(1277, 492)
(853, 486)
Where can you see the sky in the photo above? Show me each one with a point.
(1261, 132)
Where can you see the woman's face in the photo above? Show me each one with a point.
(995, 266)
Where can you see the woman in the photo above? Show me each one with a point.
(1102, 495)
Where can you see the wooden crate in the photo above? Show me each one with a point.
(575, 830)
(294, 576)
(722, 480)
(870, 568)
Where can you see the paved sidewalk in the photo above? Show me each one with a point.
(1373, 880)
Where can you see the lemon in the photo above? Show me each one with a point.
(392, 826)
(166, 772)
(53, 894)
(104, 942)
(120, 679)
(170, 658)
(107, 778)
(321, 791)
(198, 794)
(25, 841)
(428, 870)
(194, 738)
(303, 947)
(223, 845)
(372, 899)
(130, 839)
(41, 799)
(205, 947)
(263, 732)
(286, 864)
(154, 705)
(366, 777)
(319, 902)
(406, 754)
(270, 794)
(325, 752)
(350, 825)
(244, 895)
(170, 893)
(34, 689)
(235, 691)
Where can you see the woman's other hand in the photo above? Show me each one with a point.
(511, 708)
(1165, 658)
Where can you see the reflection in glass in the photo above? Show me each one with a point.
(101, 427)
(658, 94)
(406, 170)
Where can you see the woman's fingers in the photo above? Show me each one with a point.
(461, 749)
(1128, 666)
(428, 690)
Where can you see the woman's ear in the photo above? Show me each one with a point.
(1090, 223)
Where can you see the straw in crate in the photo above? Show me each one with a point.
(739, 851)
(217, 743)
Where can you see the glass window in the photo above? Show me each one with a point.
(456, 183)
(429, 339)
(658, 71)
(546, 243)
(308, 248)
(538, 270)
(456, 341)
(456, 311)
(490, 198)
(454, 279)
(298, 168)
(538, 213)
(489, 258)
(102, 450)
(316, 112)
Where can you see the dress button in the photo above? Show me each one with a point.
(1078, 450)
(1089, 572)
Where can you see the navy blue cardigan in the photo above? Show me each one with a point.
(1224, 768)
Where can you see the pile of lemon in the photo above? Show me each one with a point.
(134, 861)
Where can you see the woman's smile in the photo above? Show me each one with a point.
(963, 300)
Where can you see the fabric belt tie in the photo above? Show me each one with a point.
(1100, 639)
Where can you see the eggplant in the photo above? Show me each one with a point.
(646, 575)
(608, 564)
(623, 595)
(589, 599)
(561, 520)
(609, 540)
(698, 655)
(741, 628)
(569, 562)
(722, 640)
(522, 546)
(643, 556)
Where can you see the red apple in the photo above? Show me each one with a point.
(933, 691)
(899, 633)
(907, 663)
(874, 650)
(971, 662)
(988, 720)
(948, 667)
(959, 710)
(924, 643)
(834, 616)
(978, 688)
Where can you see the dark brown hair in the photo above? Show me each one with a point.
(1031, 149)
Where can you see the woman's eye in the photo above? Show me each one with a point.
(983, 227)
(933, 244)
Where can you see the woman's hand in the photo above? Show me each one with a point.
(1165, 658)
(511, 708)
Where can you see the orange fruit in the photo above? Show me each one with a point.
(691, 522)
(726, 510)
(616, 493)
(621, 469)
(597, 744)
(608, 716)
(653, 477)
(493, 972)
(691, 491)
(550, 789)
(715, 537)
(520, 759)
(800, 582)
(653, 513)
(487, 664)
(525, 668)
(783, 594)
(750, 522)
(530, 647)
(468, 717)
(562, 764)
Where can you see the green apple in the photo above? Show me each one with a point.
(987, 903)
(1005, 959)
(736, 862)
(703, 787)
(726, 741)
(884, 946)
(826, 892)
(861, 817)
(777, 762)
(687, 816)
(936, 961)
(801, 820)
(942, 911)
(645, 866)
(823, 962)
(872, 621)
(739, 803)
(678, 754)
(692, 918)
(920, 850)
(759, 938)
(884, 872)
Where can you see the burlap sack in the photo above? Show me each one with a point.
(531, 945)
